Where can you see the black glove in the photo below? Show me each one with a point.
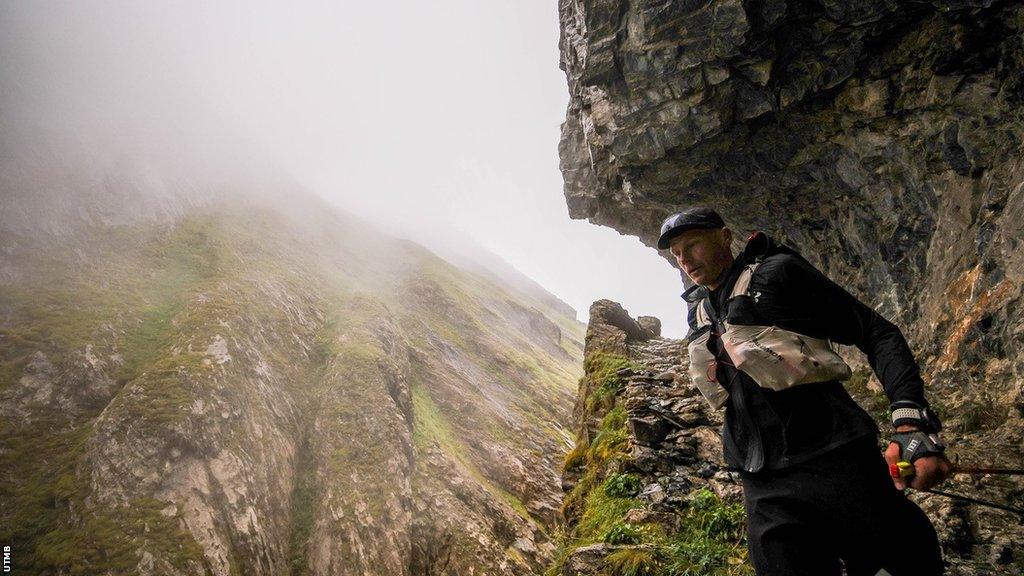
(917, 444)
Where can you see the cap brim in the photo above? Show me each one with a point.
(667, 237)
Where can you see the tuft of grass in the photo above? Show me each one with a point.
(601, 369)
(605, 453)
(577, 456)
(633, 562)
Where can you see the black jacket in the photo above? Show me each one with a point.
(769, 430)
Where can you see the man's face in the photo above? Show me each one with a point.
(703, 254)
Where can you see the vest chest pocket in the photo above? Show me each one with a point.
(778, 359)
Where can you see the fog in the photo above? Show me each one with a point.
(436, 121)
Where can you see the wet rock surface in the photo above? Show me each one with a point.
(879, 139)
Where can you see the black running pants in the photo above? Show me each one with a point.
(840, 506)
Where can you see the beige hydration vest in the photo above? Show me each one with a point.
(776, 359)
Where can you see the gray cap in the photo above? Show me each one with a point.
(692, 219)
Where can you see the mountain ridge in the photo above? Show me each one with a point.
(224, 386)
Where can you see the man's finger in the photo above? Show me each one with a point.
(892, 456)
(892, 453)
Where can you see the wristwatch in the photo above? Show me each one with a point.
(907, 412)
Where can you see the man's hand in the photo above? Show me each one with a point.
(929, 471)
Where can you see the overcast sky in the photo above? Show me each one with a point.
(436, 120)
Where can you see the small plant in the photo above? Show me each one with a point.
(621, 485)
(711, 542)
(717, 519)
(695, 557)
(576, 457)
(624, 533)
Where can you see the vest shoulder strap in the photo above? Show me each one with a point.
(742, 284)
(703, 318)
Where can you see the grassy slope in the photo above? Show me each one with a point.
(121, 300)
(129, 293)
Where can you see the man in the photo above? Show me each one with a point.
(818, 494)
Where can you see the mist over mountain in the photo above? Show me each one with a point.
(205, 368)
(207, 374)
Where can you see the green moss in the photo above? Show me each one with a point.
(187, 258)
(162, 397)
(610, 443)
(430, 426)
(710, 542)
(102, 541)
(710, 538)
(46, 480)
(601, 512)
(108, 541)
(588, 503)
(577, 456)
(138, 278)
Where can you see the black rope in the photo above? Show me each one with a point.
(976, 501)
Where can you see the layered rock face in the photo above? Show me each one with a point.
(238, 388)
(880, 139)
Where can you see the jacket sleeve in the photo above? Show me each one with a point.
(797, 296)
